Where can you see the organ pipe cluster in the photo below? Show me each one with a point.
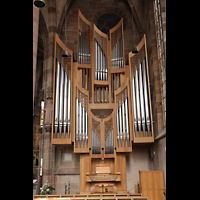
(62, 102)
(123, 122)
(140, 101)
(81, 123)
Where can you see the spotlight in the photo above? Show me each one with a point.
(65, 53)
(135, 50)
(39, 3)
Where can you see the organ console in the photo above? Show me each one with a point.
(100, 105)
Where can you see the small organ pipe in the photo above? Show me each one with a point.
(146, 98)
(57, 98)
(61, 102)
(134, 107)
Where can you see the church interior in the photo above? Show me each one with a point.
(99, 99)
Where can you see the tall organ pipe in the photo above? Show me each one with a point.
(80, 119)
(120, 122)
(117, 128)
(61, 102)
(134, 107)
(127, 126)
(86, 128)
(68, 109)
(77, 121)
(95, 60)
(142, 99)
(146, 98)
(57, 98)
(138, 102)
(79, 56)
(83, 123)
(65, 104)
(123, 121)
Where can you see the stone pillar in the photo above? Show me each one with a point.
(50, 57)
(35, 43)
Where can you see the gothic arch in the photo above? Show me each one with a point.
(105, 10)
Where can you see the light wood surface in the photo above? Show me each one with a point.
(101, 168)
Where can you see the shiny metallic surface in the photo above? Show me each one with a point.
(134, 107)
(61, 101)
(65, 104)
(57, 98)
(141, 99)
(146, 98)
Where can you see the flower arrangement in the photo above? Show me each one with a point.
(46, 189)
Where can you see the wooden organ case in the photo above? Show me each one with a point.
(100, 105)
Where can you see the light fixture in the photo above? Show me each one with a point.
(39, 3)
(65, 53)
(135, 49)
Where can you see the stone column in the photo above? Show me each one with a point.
(35, 43)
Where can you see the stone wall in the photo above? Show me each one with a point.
(51, 20)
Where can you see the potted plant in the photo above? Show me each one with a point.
(46, 189)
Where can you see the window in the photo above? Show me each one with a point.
(161, 53)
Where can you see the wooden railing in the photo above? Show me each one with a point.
(111, 196)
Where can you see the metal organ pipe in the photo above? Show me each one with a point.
(77, 121)
(134, 107)
(96, 60)
(138, 102)
(117, 129)
(65, 105)
(61, 102)
(141, 100)
(80, 119)
(120, 122)
(127, 126)
(146, 98)
(123, 121)
(69, 103)
(83, 123)
(86, 128)
(57, 98)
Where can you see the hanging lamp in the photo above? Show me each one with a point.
(39, 3)
(135, 49)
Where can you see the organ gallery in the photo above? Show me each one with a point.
(98, 134)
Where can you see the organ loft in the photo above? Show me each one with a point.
(99, 117)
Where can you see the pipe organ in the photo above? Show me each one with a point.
(100, 105)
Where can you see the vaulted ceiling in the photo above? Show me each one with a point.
(135, 5)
